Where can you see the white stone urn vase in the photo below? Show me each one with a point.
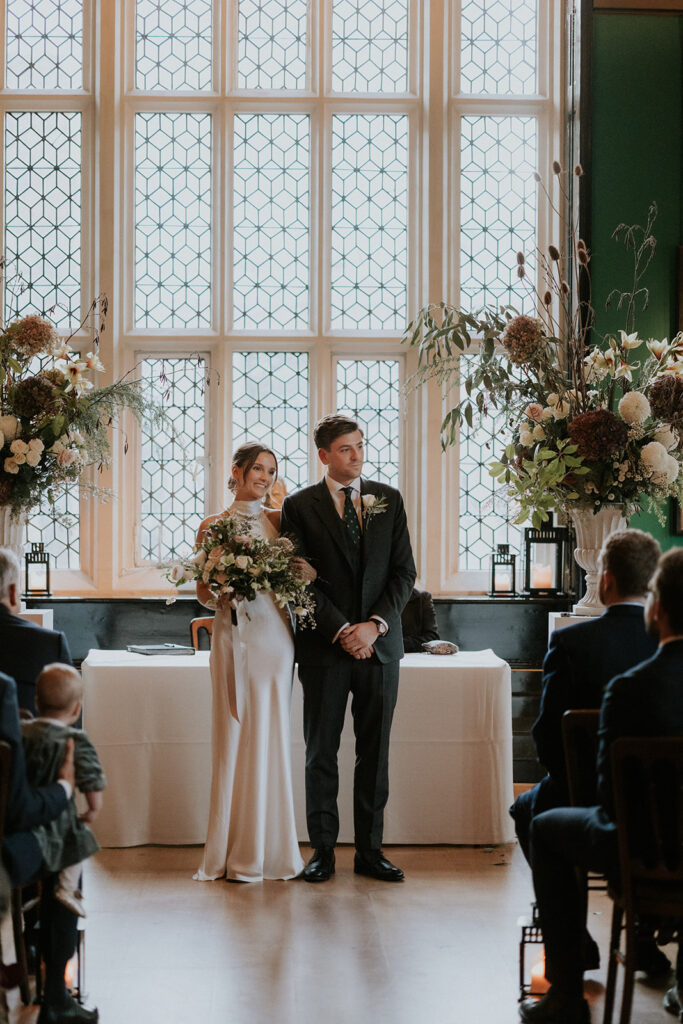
(592, 530)
(12, 531)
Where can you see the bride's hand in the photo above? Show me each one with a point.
(304, 570)
(226, 601)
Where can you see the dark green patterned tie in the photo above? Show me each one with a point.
(350, 517)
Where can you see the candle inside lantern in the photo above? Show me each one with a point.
(539, 982)
(37, 576)
(503, 582)
(541, 576)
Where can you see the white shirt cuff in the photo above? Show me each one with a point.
(340, 631)
(68, 788)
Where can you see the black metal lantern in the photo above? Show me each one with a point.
(544, 560)
(37, 571)
(502, 572)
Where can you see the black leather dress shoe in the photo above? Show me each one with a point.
(374, 864)
(554, 1009)
(320, 866)
(70, 1013)
(652, 960)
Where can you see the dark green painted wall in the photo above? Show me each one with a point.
(637, 157)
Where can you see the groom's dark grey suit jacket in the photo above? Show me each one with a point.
(345, 592)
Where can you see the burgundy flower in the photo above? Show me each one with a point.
(598, 434)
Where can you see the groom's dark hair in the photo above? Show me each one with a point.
(330, 427)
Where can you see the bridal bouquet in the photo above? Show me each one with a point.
(234, 564)
(584, 425)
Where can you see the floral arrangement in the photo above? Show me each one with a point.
(585, 425)
(53, 419)
(235, 565)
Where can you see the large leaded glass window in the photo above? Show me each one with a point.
(267, 194)
(173, 453)
(270, 398)
(369, 389)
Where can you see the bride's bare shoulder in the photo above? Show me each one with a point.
(206, 523)
(274, 516)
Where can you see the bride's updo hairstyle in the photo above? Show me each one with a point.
(244, 458)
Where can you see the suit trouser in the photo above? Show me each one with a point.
(59, 936)
(560, 841)
(374, 688)
(544, 796)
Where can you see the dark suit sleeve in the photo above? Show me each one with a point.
(401, 577)
(64, 652)
(555, 700)
(26, 806)
(422, 631)
(328, 619)
(616, 716)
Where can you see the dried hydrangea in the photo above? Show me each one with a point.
(666, 398)
(32, 336)
(522, 339)
(598, 434)
(33, 397)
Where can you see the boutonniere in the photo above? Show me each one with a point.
(373, 505)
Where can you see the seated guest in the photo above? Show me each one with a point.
(418, 621)
(28, 807)
(582, 659)
(25, 648)
(645, 701)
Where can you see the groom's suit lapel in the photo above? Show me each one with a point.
(324, 506)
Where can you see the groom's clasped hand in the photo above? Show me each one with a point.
(358, 640)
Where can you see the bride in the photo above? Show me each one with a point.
(251, 832)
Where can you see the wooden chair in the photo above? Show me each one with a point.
(196, 625)
(648, 793)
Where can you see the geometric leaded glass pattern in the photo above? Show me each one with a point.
(271, 218)
(42, 199)
(272, 38)
(498, 47)
(369, 391)
(173, 44)
(370, 46)
(369, 221)
(44, 44)
(57, 526)
(270, 405)
(172, 220)
(173, 457)
(485, 511)
(498, 214)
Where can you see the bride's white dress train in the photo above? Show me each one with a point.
(251, 832)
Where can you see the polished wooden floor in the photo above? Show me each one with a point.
(441, 948)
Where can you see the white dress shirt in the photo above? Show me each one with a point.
(339, 498)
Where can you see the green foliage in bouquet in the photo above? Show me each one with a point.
(585, 425)
(53, 419)
(234, 564)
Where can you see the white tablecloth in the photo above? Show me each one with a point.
(450, 761)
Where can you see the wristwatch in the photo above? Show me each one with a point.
(382, 628)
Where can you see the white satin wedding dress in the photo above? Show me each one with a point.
(251, 833)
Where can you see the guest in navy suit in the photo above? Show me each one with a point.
(27, 807)
(25, 648)
(645, 701)
(582, 659)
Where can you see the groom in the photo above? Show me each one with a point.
(354, 532)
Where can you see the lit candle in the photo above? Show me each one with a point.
(503, 582)
(539, 982)
(541, 576)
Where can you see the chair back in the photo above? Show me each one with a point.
(5, 769)
(580, 738)
(648, 795)
(197, 624)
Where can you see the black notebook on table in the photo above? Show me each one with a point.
(159, 649)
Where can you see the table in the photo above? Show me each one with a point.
(450, 761)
